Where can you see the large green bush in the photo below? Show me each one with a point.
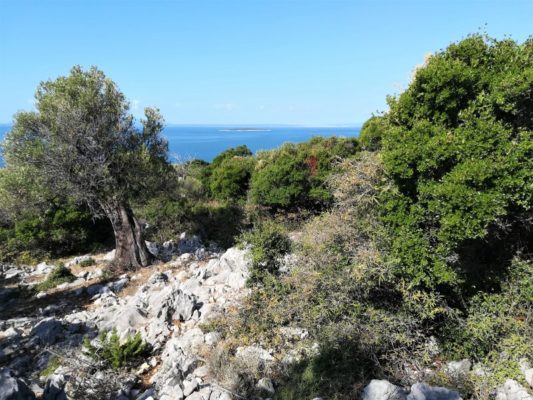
(230, 178)
(459, 149)
(294, 175)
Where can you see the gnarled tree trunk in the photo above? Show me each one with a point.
(130, 249)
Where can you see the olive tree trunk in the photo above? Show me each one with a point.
(130, 248)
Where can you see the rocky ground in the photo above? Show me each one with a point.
(170, 304)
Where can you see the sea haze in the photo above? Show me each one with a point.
(206, 141)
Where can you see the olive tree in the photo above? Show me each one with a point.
(83, 142)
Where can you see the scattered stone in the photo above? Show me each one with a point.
(43, 268)
(383, 390)
(265, 385)
(526, 369)
(144, 368)
(77, 260)
(13, 388)
(109, 256)
(117, 286)
(421, 391)
(48, 331)
(512, 390)
(54, 388)
(146, 395)
(457, 370)
(212, 338)
(9, 333)
(189, 386)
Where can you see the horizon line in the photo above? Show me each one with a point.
(170, 124)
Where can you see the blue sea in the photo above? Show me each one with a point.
(206, 141)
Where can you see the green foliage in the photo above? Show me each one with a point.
(60, 230)
(115, 353)
(53, 364)
(168, 217)
(60, 274)
(87, 263)
(372, 133)
(230, 178)
(496, 320)
(459, 148)
(294, 175)
(269, 243)
(240, 151)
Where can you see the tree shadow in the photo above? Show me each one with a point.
(339, 370)
(21, 302)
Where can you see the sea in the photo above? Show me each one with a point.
(188, 142)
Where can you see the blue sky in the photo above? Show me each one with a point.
(306, 62)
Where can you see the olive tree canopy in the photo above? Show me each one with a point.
(82, 141)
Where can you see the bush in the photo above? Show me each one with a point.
(87, 263)
(230, 178)
(269, 243)
(459, 151)
(60, 274)
(60, 230)
(218, 222)
(294, 175)
(114, 353)
(239, 152)
(372, 133)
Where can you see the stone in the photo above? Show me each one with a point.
(78, 260)
(94, 289)
(212, 338)
(147, 394)
(109, 256)
(54, 388)
(265, 385)
(422, 391)
(13, 388)
(143, 368)
(526, 369)
(48, 331)
(43, 268)
(294, 332)
(117, 286)
(383, 390)
(7, 294)
(13, 273)
(9, 333)
(189, 386)
(457, 370)
(512, 390)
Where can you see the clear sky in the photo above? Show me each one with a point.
(310, 62)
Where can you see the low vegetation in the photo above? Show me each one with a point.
(59, 275)
(115, 353)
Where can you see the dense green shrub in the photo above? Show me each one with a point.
(459, 149)
(230, 178)
(60, 230)
(294, 175)
(239, 151)
(114, 352)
